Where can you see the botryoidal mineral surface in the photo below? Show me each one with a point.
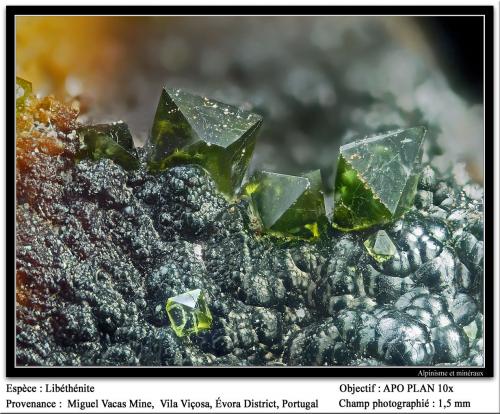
(100, 250)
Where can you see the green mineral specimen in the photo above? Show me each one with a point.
(380, 246)
(288, 205)
(112, 141)
(23, 91)
(191, 129)
(377, 178)
(188, 313)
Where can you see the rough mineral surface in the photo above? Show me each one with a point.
(100, 250)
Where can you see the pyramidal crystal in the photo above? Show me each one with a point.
(112, 141)
(188, 313)
(191, 129)
(288, 205)
(380, 246)
(377, 178)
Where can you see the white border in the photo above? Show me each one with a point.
(483, 390)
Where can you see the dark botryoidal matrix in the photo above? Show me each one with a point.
(170, 255)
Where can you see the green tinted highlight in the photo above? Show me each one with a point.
(24, 90)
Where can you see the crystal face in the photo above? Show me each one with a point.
(23, 91)
(377, 178)
(188, 313)
(191, 129)
(112, 141)
(287, 204)
(380, 246)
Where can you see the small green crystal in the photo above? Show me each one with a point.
(288, 205)
(377, 179)
(380, 246)
(188, 313)
(23, 91)
(112, 141)
(191, 129)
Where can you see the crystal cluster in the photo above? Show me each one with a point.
(288, 204)
(188, 313)
(191, 129)
(410, 294)
(375, 183)
(377, 179)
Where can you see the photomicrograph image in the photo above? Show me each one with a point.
(248, 191)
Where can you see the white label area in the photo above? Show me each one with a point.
(250, 395)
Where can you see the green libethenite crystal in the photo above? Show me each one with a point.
(288, 205)
(377, 178)
(112, 141)
(23, 91)
(188, 313)
(191, 129)
(380, 246)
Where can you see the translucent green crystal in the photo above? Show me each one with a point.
(23, 91)
(380, 246)
(377, 178)
(112, 141)
(188, 313)
(288, 205)
(191, 129)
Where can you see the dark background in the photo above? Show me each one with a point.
(458, 42)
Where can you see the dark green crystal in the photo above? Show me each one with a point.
(288, 205)
(191, 129)
(377, 179)
(112, 141)
(23, 91)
